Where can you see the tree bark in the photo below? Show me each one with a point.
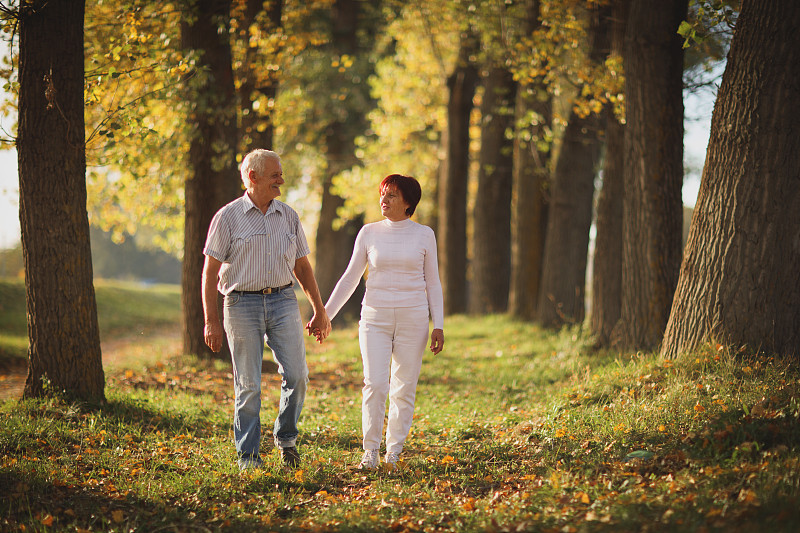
(529, 204)
(334, 246)
(653, 171)
(454, 177)
(63, 334)
(563, 290)
(739, 282)
(606, 304)
(257, 128)
(212, 176)
(492, 212)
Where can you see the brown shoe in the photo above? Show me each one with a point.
(290, 457)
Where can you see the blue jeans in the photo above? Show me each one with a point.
(249, 319)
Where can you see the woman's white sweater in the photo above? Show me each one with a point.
(403, 269)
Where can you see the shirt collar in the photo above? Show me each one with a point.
(276, 206)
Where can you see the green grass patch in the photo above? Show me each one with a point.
(13, 324)
(516, 429)
(123, 309)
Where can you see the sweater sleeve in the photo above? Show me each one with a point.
(433, 285)
(349, 281)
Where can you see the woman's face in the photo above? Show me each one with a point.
(393, 206)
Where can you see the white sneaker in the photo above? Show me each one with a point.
(370, 460)
(391, 460)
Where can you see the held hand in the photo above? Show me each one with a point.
(213, 336)
(437, 341)
(319, 326)
(315, 332)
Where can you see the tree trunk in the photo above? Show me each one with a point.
(63, 335)
(257, 128)
(563, 290)
(739, 280)
(334, 246)
(212, 176)
(607, 268)
(453, 181)
(530, 206)
(529, 202)
(492, 215)
(653, 171)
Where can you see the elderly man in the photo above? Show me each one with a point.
(254, 245)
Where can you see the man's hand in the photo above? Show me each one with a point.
(212, 332)
(319, 326)
(437, 341)
(213, 335)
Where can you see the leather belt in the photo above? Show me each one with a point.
(268, 290)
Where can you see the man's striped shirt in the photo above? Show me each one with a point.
(257, 250)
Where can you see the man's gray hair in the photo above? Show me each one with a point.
(256, 160)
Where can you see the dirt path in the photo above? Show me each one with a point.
(118, 354)
(12, 383)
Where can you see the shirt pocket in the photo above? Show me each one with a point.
(246, 240)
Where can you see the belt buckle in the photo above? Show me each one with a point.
(268, 290)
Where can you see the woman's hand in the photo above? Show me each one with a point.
(437, 341)
(319, 327)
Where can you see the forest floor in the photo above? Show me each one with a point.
(12, 381)
(138, 325)
(118, 353)
(515, 429)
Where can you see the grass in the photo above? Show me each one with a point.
(13, 324)
(123, 309)
(516, 429)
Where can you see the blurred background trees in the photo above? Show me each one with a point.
(537, 128)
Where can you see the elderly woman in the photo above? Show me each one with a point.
(402, 291)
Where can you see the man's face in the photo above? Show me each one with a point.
(272, 179)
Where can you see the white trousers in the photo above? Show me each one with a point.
(392, 343)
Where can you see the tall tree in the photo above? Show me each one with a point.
(492, 212)
(534, 110)
(738, 280)
(653, 171)
(562, 292)
(607, 270)
(452, 237)
(257, 86)
(334, 242)
(63, 335)
(212, 178)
